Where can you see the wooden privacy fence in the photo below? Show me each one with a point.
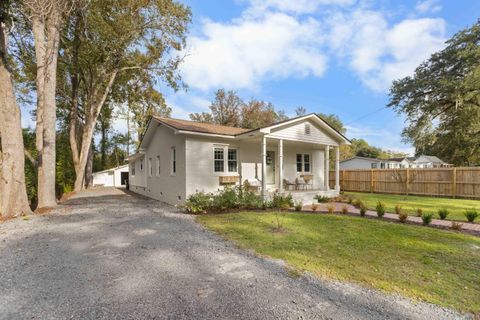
(445, 182)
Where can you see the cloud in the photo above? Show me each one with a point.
(428, 6)
(379, 52)
(243, 53)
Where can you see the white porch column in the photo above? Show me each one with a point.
(337, 168)
(280, 165)
(264, 167)
(327, 168)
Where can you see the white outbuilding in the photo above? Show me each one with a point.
(114, 177)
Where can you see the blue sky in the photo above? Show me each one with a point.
(330, 56)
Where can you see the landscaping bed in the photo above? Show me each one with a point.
(455, 207)
(425, 263)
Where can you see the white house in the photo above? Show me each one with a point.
(422, 161)
(114, 177)
(360, 163)
(177, 158)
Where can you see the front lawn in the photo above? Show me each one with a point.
(438, 266)
(456, 207)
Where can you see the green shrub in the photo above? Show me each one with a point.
(380, 209)
(249, 200)
(419, 212)
(363, 209)
(357, 203)
(330, 208)
(443, 213)
(344, 209)
(282, 202)
(197, 203)
(350, 200)
(427, 218)
(321, 199)
(402, 216)
(315, 206)
(298, 206)
(471, 215)
(398, 209)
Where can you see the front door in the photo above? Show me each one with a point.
(270, 167)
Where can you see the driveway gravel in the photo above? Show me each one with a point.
(105, 254)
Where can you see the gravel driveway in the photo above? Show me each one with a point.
(108, 255)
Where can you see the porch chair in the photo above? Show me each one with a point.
(301, 184)
(308, 178)
(253, 184)
(288, 185)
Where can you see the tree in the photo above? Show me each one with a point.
(46, 20)
(334, 121)
(256, 114)
(224, 110)
(13, 195)
(300, 111)
(108, 44)
(441, 101)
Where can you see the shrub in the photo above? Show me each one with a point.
(402, 216)
(345, 209)
(471, 215)
(282, 202)
(330, 208)
(357, 203)
(456, 226)
(427, 218)
(398, 209)
(250, 200)
(199, 202)
(419, 212)
(315, 206)
(350, 200)
(298, 206)
(321, 199)
(443, 213)
(380, 209)
(227, 198)
(363, 209)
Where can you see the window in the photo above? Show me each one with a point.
(150, 167)
(303, 162)
(133, 168)
(299, 162)
(307, 129)
(382, 165)
(141, 165)
(306, 163)
(374, 166)
(158, 166)
(232, 160)
(218, 160)
(174, 161)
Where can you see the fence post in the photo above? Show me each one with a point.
(407, 181)
(342, 185)
(454, 189)
(371, 181)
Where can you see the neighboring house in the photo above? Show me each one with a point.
(114, 177)
(177, 158)
(360, 163)
(424, 161)
(393, 163)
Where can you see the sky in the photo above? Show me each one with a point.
(329, 56)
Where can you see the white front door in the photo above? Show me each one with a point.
(270, 167)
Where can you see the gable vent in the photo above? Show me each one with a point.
(307, 129)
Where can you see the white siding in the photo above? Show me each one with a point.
(165, 187)
(296, 132)
(358, 164)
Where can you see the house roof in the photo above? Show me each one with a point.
(400, 159)
(363, 158)
(112, 169)
(188, 125)
(432, 159)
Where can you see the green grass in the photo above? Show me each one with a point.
(434, 265)
(456, 207)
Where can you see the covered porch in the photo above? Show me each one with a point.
(286, 166)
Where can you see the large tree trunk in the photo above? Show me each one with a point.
(96, 104)
(46, 132)
(89, 169)
(13, 195)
